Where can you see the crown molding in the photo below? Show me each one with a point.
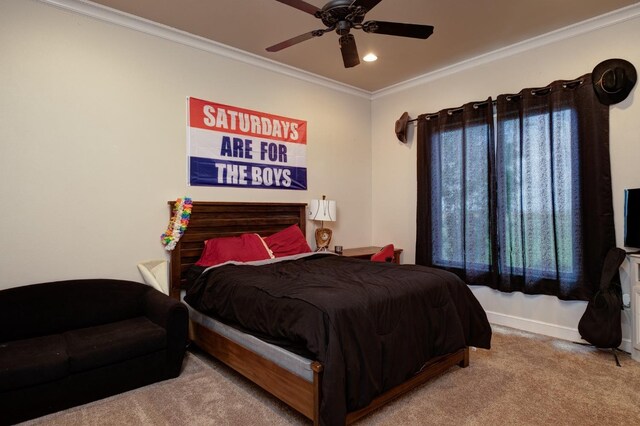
(583, 27)
(103, 13)
(106, 14)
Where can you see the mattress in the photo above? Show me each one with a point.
(290, 361)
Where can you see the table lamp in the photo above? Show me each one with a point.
(325, 211)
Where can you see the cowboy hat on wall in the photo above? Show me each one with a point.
(613, 80)
(401, 127)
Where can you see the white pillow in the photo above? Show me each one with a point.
(155, 273)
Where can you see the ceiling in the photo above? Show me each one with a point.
(463, 29)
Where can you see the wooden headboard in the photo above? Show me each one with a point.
(226, 219)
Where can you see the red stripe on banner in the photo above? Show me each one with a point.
(229, 119)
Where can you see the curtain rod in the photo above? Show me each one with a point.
(534, 92)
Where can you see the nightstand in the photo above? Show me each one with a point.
(367, 252)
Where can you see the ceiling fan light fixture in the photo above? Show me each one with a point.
(370, 57)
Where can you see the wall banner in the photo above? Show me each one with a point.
(230, 146)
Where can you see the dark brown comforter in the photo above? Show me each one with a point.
(372, 325)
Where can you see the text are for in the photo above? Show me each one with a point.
(243, 148)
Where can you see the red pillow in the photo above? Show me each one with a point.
(245, 248)
(289, 241)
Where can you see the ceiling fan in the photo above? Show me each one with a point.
(342, 16)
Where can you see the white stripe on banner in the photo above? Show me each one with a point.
(245, 149)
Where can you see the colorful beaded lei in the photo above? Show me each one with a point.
(178, 223)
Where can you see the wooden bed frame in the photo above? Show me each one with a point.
(223, 219)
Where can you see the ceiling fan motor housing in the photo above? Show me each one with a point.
(340, 12)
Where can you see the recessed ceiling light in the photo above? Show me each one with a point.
(369, 57)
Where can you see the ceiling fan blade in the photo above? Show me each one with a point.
(294, 40)
(301, 5)
(349, 50)
(398, 29)
(366, 4)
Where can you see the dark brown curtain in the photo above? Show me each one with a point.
(553, 219)
(456, 217)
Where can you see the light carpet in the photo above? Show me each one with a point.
(525, 379)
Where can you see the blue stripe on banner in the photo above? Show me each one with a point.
(209, 172)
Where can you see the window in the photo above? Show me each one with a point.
(537, 182)
(461, 224)
(516, 194)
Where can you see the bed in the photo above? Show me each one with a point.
(293, 378)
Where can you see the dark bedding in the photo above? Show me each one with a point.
(372, 325)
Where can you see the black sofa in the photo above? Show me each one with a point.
(70, 342)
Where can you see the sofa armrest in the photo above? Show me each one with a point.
(159, 307)
(173, 316)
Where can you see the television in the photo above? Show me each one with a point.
(632, 218)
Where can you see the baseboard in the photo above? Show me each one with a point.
(544, 328)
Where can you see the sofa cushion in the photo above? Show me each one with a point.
(106, 344)
(29, 362)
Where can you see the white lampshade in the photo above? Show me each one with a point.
(324, 210)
